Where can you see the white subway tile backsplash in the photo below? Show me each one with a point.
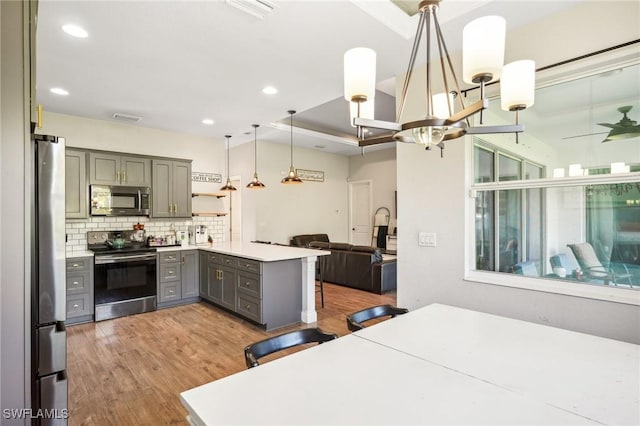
(77, 228)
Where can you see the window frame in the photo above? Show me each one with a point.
(585, 67)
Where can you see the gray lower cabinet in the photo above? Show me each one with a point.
(76, 193)
(80, 305)
(177, 277)
(268, 293)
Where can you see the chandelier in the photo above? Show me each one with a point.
(483, 58)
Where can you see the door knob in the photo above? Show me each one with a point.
(353, 229)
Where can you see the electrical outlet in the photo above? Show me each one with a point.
(427, 239)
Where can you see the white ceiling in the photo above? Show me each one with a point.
(174, 63)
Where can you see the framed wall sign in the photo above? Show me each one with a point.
(206, 177)
(310, 175)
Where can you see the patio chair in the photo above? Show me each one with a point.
(593, 268)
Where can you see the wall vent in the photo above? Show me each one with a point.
(126, 117)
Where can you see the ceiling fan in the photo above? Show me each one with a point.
(623, 129)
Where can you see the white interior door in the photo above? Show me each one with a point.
(234, 229)
(360, 221)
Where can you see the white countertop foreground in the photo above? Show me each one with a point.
(435, 365)
(255, 251)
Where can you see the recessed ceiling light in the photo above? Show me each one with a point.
(208, 121)
(269, 90)
(75, 31)
(59, 91)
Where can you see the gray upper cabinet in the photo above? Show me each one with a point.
(113, 169)
(171, 188)
(76, 197)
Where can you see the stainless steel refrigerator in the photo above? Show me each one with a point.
(48, 288)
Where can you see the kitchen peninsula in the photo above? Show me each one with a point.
(269, 284)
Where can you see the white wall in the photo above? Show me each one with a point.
(279, 211)
(429, 275)
(14, 214)
(380, 168)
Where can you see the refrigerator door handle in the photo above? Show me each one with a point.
(52, 348)
(51, 291)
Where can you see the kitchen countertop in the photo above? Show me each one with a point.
(86, 253)
(255, 251)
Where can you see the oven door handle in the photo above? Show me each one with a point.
(100, 260)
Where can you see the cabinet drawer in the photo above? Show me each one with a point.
(79, 305)
(216, 258)
(169, 292)
(78, 283)
(78, 264)
(172, 256)
(228, 261)
(249, 307)
(249, 284)
(248, 265)
(169, 272)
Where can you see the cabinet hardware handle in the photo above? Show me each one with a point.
(75, 305)
(170, 208)
(248, 307)
(39, 108)
(76, 283)
(124, 176)
(247, 284)
(175, 208)
(75, 265)
(183, 260)
(246, 265)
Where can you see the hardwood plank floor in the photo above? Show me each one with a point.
(131, 370)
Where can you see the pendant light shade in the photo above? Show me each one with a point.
(227, 186)
(483, 41)
(518, 85)
(255, 183)
(292, 177)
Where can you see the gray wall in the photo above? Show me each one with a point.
(13, 232)
(436, 274)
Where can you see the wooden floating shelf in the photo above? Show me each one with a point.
(208, 194)
(208, 214)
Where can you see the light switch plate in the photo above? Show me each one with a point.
(427, 239)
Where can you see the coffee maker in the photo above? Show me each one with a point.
(198, 234)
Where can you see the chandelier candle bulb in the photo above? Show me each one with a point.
(518, 85)
(359, 74)
(483, 42)
(441, 105)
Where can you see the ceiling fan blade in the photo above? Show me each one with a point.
(377, 140)
(611, 126)
(584, 135)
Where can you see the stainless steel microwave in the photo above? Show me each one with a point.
(120, 200)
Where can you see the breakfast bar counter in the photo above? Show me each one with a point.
(270, 284)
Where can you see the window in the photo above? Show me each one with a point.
(560, 210)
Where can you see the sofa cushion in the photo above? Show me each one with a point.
(377, 254)
(319, 244)
(305, 239)
(340, 246)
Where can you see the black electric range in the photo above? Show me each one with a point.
(124, 278)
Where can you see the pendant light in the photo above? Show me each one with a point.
(255, 183)
(227, 186)
(292, 177)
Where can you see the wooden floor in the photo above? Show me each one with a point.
(131, 370)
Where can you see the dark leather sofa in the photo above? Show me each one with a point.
(359, 267)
